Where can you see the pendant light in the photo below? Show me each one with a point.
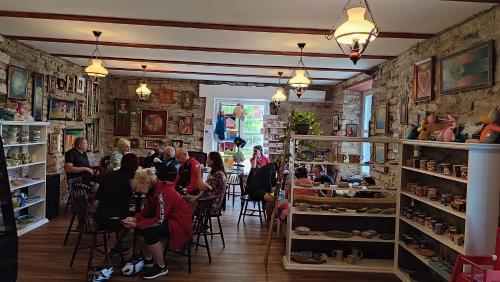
(300, 79)
(357, 32)
(96, 68)
(279, 96)
(143, 91)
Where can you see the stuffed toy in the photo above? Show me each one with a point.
(471, 131)
(428, 127)
(491, 132)
(449, 134)
(413, 134)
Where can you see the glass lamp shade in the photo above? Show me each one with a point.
(356, 28)
(95, 69)
(279, 96)
(300, 79)
(143, 91)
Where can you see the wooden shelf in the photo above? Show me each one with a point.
(436, 204)
(348, 164)
(29, 205)
(443, 239)
(440, 175)
(420, 257)
(334, 188)
(25, 165)
(24, 123)
(364, 265)
(344, 139)
(24, 144)
(28, 227)
(345, 214)
(26, 183)
(296, 236)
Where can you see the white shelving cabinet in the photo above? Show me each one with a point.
(29, 177)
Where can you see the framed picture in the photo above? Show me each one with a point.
(166, 96)
(61, 84)
(351, 130)
(96, 143)
(469, 69)
(80, 84)
(335, 122)
(186, 125)
(37, 100)
(380, 152)
(51, 84)
(89, 135)
(89, 98)
(148, 144)
(70, 83)
(69, 137)
(423, 80)
(177, 143)
(381, 118)
(18, 84)
(61, 109)
(55, 143)
(403, 110)
(154, 123)
(78, 110)
(134, 143)
(187, 100)
(122, 117)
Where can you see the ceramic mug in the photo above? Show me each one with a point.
(341, 158)
(446, 169)
(439, 228)
(423, 164)
(357, 253)
(353, 158)
(433, 194)
(416, 163)
(431, 165)
(456, 170)
(351, 259)
(464, 172)
(338, 255)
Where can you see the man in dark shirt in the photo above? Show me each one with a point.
(189, 172)
(149, 161)
(76, 162)
(168, 167)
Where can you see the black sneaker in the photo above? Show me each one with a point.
(118, 250)
(149, 262)
(155, 272)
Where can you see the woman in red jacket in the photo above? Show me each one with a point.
(165, 216)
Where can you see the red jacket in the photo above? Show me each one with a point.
(194, 179)
(165, 204)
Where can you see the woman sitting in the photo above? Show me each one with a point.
(113, 198)
(166, 217)
(301, 178)
(258, 159)
(216, 182)
(260, 183)
(116, 156)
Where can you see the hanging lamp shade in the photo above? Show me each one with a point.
(95, 69)
(299, 79)
(356, 28)
(279, 96)
(143, 91)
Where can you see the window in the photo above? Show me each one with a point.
(366, 116)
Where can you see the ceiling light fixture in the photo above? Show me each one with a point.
(96, 68)
(300, 79)
(357, 32)
(279, 96)
(143, 91)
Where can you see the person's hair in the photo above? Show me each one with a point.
(145, 175)
(301, 172)
(369, 180)
(160, 143)
(259, 147)
(129, 164)
(170, 151)
(217, 162)
(320, 167)
(78, 141)
(123, 141)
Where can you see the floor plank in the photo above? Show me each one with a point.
(43, 258)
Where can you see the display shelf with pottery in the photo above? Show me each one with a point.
(296, 236)
(295, 210)
(25, 165)
(364, 265)
(18, 183)
(436, 174)
(337, 188)
(24, 144)
(435, 204)
(423, 259)
(29, 204)
(346, 164)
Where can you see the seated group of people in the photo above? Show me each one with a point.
(167, 215)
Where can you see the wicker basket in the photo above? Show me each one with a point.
(348, 203)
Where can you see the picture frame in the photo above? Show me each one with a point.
(61, 109)
(80, 85)
(70, 83)
(186, 125)
(177, 143)
(187, 100)
(17, 88)
(55, 142)
(335, 122)
(403, 110)
(467, 70)
(148, 144)
(166, 96)
(381, 118)
(423, 80)
(89, 135)
(96, 143)
(51, 84)
(89, 98)
(79, 110)
(69, 137)
(61, 83)
(122, 117)
(351, 130)
(154, 123)
(96, 99)
(380, 153)
(134, 143)
(37, 98)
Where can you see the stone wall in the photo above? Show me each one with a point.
(23, 56)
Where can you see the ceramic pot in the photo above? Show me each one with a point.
(353, 158)
(338, 255)
(423, 164)
(431, 165)
(464, 171)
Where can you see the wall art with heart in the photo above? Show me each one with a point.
(423, 80)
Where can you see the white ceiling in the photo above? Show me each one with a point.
(408, 16)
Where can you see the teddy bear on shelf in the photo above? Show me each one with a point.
(450, 133)
(491, 132)
(429, 126)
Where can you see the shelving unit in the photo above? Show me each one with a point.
(30, 177)
(361, 222)
(481, 190)
(273, 131)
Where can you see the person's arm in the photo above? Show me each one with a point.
(70, 168)
(195, 179)
(115, 160)
(163, 206)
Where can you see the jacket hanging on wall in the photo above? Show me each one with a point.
(220, 127)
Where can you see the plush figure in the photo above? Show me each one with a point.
(491, 132)
(449, 134)
(413, 134)
(426, 128)
(471, 131)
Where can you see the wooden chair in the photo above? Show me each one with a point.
(201, 223)
(245, 199)
(217, 213)
(71, 182)
(232, 182)
(482, 268)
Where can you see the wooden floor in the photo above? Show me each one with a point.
(43, 258)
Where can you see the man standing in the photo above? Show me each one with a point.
(158, 149)
(76, 162)
(189, 172)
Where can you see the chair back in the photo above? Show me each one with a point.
(73, 182)
(243, 183)
(202, 214)
(497, 251)
(104, 163)
(81, 207)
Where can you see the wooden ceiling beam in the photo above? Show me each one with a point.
(197, 25)
(194, 48)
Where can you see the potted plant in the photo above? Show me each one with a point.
(303, 121)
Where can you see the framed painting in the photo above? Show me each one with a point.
(89, 135)
(134, 143)
(61, 109)
(186, 125)
(148, 144)
(403, 110)
(96, 97)
(69, 137)
(78, 110)
(351, 130)
(89, 98)
(18, 84)
(80, 85)
(154, 123)
(37, 99)
(51, 84)
(55, 142)
(177, 143)
(423, 80)
(381, 118)
(122, 117)
(187, 100)
(61, 83)
(467, 70)
(335, 122)
(96, 142)
(380, 152)
(70, 83)
(166, 96)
